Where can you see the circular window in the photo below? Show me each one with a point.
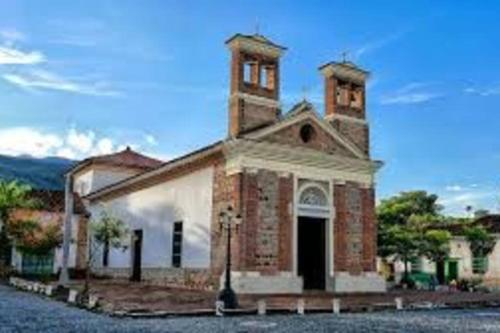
(306, 133)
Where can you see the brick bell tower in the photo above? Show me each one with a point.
(345, 101)
(254, 91)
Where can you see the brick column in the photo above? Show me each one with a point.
(369, 230)
(285, 223)
(250, 220)
(340, 228)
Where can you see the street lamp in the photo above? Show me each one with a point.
(227, 219)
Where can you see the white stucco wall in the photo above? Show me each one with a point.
(494, 262)
(154, 210)
(82, 183)
(460, 250)
(95, 178)
(72, 247)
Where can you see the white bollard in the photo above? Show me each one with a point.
(12, 281)
(336, 305)
(261, 307)
(219, 307)
(93, 301)
(300, 306)
(72, 296)
(399, 303)
(29, 287)
(41, 289)
(48, 291)
(36, 287)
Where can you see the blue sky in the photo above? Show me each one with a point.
(89, 77)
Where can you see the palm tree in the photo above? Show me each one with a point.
(12, 195)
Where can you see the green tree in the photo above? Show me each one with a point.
(398, 209)
(105, 232)
(402, 222)
(481, 243)
(32, 238)
(13, 195)
(401, 242)
(480, 240)
(436, 247)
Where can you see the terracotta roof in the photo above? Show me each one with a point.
(490, 222)
(125, 158)
(256, 38)
(54, 201)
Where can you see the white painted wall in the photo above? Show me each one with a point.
(72, 247)
(155, 209)
(460, 250)
(95, 178)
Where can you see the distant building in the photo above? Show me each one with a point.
(50, 209)
(461, 264)
(303, 183)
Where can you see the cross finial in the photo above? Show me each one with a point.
(305, 90)
(344, 56)
(257, 27)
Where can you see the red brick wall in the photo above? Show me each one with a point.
(369, 230)
(226, 191)
(320, 140)
(245, 116)
(285, 223)
(340, 228)
(348, 256)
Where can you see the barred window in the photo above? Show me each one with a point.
(177, 244)
(479, 265)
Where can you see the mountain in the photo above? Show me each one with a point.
(40, 173)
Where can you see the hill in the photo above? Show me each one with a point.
(40, 173)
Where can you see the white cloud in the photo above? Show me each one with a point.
(13, 56)
(454, 188)
(456, 202)
(72, 144)
(82, 142)
(491, 91)
(378, 44)
(45, 80)
(413, 93)
(10, 35)
(150, 139)
(26, 141)
(104, 146)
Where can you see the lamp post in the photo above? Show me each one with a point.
(227, 295)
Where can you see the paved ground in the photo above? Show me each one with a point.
(24, 312)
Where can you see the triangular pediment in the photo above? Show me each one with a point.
(304, 128)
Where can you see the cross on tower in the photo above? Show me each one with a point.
(305, 90)
(344, 56)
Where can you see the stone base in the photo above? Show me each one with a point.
(191, 278)
(367, 282)
(255, 283)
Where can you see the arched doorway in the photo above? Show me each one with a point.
(312, 230)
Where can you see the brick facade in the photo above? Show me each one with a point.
(358, 133)
(320, 139)
(355, 231)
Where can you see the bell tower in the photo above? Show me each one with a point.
(345, 101)
(254, 90)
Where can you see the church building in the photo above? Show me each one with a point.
(302, 182)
